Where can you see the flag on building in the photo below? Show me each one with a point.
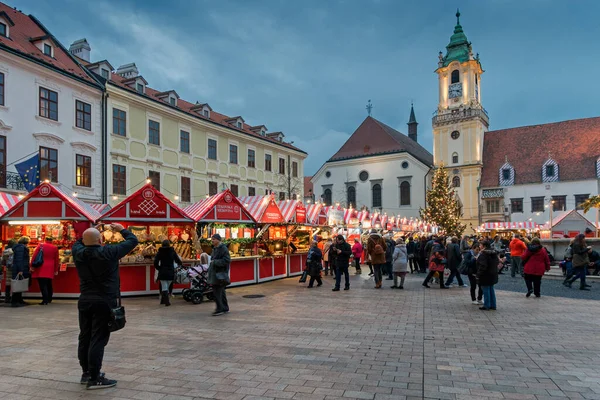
(30, 173)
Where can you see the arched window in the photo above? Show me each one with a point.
(327, 197)
(376, 195)
(456, 181)
(455, 77)
(455, 158)
(405, 193)
(351, 200)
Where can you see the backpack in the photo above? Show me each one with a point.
(378, 249)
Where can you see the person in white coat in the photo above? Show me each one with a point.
(400, 263)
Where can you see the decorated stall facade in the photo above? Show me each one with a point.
(570, 224)
(299, 231)
(507, 229)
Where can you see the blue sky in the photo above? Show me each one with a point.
(307, 68)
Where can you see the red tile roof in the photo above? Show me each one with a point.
(373, 137)
(308, 185)
(574, 145)
(20, 38)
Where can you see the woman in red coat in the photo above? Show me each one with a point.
(536, 263)
(46, 272)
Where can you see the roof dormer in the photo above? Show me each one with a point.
(202, 109)
(81, 49)
(506, 175)
(128, 71)
(550, 171)
(598, 168)
(102, 68)
(260, 130)
(5, 24)
(45, 44)
(276, 135)
(238, 122)
(138, 84)
(170, 97)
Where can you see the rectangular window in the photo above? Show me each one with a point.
(119, 179)
(2, 29)
(537, 204)
(1, 89)
(295, 169)
(267, 192)
(493, 206)
(48, 164)
(506, 174)
(172, 100)
(47, 50)
(105, 73)
(516, 205)
(213, 188)
(184, 141)
(153, 132)
(48, 104)
(559, 203)
(233, 154)
(239, 124)
(83, 170)
(140, 88)
(580, 198)
(251, 191)
(206, 113)
(235, 190)
(549, 170)
(212, 149)
(268, 162)
(83, 115)
(281, 195)
(186, 192)
(282, 166)
(154, 179)
(2, 161)
(119, 122)
(251, 158)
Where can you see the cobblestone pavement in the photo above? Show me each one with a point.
(552, 286)
(297, 343)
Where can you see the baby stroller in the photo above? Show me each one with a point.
(199, 288)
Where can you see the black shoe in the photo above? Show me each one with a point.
(529, 293)
(309, 287)
(586, 285)
(389, 279)
(371, 274)
(584, 288)
(319, 284)
(537, 296)
(335, 289)
(567, 284)
(17, 305)
(394, 287)
(85, 377)
(217, 313)
(484, 308)
(101, 383)
(426, 285)
(493, 308)
(444, 287)
(347, 288)
(400, 287)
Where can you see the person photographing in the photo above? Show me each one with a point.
(98, 269)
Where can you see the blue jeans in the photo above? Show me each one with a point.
(578, 273)
(338, 276)
(454, 273)
(489, 296)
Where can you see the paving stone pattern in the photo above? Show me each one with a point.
(297, 343)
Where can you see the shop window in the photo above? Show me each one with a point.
(327, 197)
(351, 196)
(153, 132)
(456, 181)
(3, 161)
(559, 203)
(268, 159)
(516, 205)
(48, 104)
(83, 115)
(233, 154)
(537, 204)
(184, 142)
(119, 122)
(295, 169)
(154, 177)
(405, 193)
(580, 198)
(235, 190)
(48, 164)
(119, 179)
(83, 170)
(186, 190)
(212, 149)
(213, 188)
(251, 158)
(251, 191)
(376, 195)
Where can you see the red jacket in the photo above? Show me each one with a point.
(536, 261)
(517, 248)
(357, 250)
(50, 265)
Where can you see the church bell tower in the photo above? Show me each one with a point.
(460, 122)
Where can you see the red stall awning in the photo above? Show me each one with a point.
(316, 215)
(51, 201)
(222, 207)
(263, 209)
(7, 201)
(101, 208)
(147, 205)
(292, 211)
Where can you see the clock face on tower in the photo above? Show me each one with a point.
(455, 90)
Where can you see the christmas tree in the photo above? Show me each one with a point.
(443, 208)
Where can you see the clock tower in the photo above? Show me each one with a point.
(460, 122)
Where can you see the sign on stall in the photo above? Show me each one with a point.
(335, 217)
(300, 215)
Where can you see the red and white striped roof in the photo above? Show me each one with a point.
(488, 226)
(101, 208)
(349, 213)
(288, 209)
(203, 210)
(7, 201)
(258, 205)
(363, 215)
(313, 211)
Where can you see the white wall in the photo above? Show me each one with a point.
(386, 168)
(28, 130)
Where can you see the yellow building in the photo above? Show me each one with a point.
(460, 122)
(188, 150)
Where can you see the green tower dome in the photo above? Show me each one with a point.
(459, 48)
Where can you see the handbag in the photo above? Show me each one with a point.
(463, 267)
(222, 278)
(38, 261)
(117, 316)
(19, 285)
(303, 277)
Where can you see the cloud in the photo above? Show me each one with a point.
(319, 148)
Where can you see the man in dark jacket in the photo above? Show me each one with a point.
(313, 265)
(342, 251)
(98, 270)
(454, 257)
(487, 274)
(220, 262)
(411, 250)
(390, 245)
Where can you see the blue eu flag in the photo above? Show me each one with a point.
(30, 173)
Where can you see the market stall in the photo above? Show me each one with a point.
(7, 201)
(299, 232)
(271, 238)
(506, 229)
(50, 210)
(152, 217)
(568, 223)
(224, 214)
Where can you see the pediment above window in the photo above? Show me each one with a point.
(84, 147)
(550, 171)
(506, 175)
(48, 138)
(4, 126)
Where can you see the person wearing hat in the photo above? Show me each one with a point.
(46, 272)
(164, 262)
(220, 261)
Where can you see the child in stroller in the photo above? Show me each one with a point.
(199, 286)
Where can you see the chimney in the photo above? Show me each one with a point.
(81, 49)
(412, 125)
(128, 71)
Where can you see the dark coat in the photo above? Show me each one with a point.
(164, 263)
(471, 262)
(536, 261)
(453, 255)
(374, 240)
(581, 257)
(487, 267)
(411, 247)
(342, 259)
(313, 261)
(390, 246)
(220, 261)
(20, 260)
(98, 267)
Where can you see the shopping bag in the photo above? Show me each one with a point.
(303, 277)
(19, 285)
